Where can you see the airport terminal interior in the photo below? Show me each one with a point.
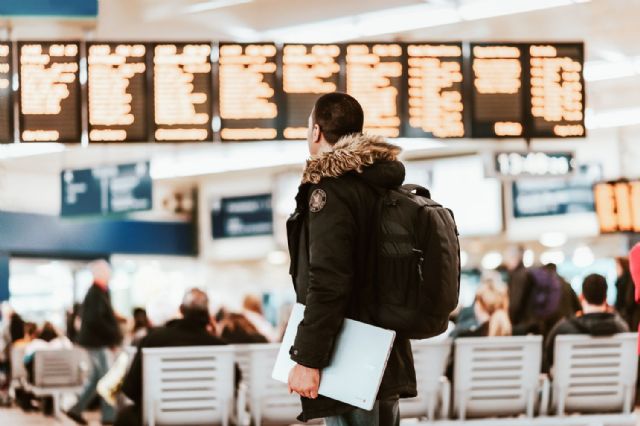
(151, 152)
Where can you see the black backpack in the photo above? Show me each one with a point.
(416, 272)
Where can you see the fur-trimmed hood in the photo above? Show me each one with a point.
(357, 152)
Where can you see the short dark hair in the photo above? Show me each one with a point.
(594, 289)
(337, 114)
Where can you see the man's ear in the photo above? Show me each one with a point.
(316, 134)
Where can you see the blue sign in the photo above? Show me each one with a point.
(106, 190)
(242, 216)
(535, 197)
(49, 8)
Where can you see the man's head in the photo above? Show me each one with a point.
(334, 115)
(101, 271)
(594, 293)
(195, 302)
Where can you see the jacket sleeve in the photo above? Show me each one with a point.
(332, 233)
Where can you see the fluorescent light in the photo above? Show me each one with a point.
(492, 8)
(553, 239)
(211, 5)
(491, 260)
(406, 18)
(528, 258)
(582, 257)
(618, 117)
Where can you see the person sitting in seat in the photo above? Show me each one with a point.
(190, 330)
(595, 319)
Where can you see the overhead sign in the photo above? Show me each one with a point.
(49, 8)
(106, 190)
(517, 164)
(246, 216)
(618, 206)
(556, 196)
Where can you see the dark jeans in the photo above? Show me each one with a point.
(129, 416)
(384, 413)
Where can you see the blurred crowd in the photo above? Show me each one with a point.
(513, 300)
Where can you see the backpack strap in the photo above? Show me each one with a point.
(418, 190)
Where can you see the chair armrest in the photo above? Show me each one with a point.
(242, 414)
(445, 395)
(545, 387)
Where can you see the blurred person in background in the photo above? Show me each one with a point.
(626, 304)
(100, 335)
(48, 337)
(237, 329)
(253, 312)
(73, 322)
(30, 333)
(595, 319)
(634, 269)
(569, 300)
(141, 325)
(190, 330)
(490, 309)
(519, 284)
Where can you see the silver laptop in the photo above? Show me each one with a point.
(358, 362)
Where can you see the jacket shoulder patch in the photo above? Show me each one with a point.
(317, 201)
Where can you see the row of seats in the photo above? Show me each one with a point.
(492, 377)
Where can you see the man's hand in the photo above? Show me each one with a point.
(304, 381)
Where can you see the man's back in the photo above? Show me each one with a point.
(594, 324)
(182, 332)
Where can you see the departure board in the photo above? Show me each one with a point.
(247, 91)
(497, 80)
(435, 90)
(117, 92)
(618, 206)
(308, 72)
(182, 91)
(374, 77)
(557, 88)
(6, 107)
(49, 92)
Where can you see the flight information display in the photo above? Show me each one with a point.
(49, 92)
(6, 106)
(117, 92)
(618, 206)
(247, 91)
(556, 88)
(497, 80)
(308, 72)
(435, 90)
(182, 91)
(374, 75)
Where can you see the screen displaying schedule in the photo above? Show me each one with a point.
(247, 92)
(435, 90)
(6, 122)
(117, 92)
(308, 72)
(618, 206)
(556, 89)
(374, 77)
(182, 91)
(49, 92)
(497, 80)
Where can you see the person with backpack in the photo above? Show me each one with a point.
(596, 318)
(359, 247)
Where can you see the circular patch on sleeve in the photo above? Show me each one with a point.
(317, 201)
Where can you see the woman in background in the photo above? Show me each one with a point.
(491, 310)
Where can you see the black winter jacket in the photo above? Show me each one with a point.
(331, 246)
(595, 324)
(99, 328)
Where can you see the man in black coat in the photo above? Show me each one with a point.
(596, 319)
(330, 242)
(99, 335)
(190, 330)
